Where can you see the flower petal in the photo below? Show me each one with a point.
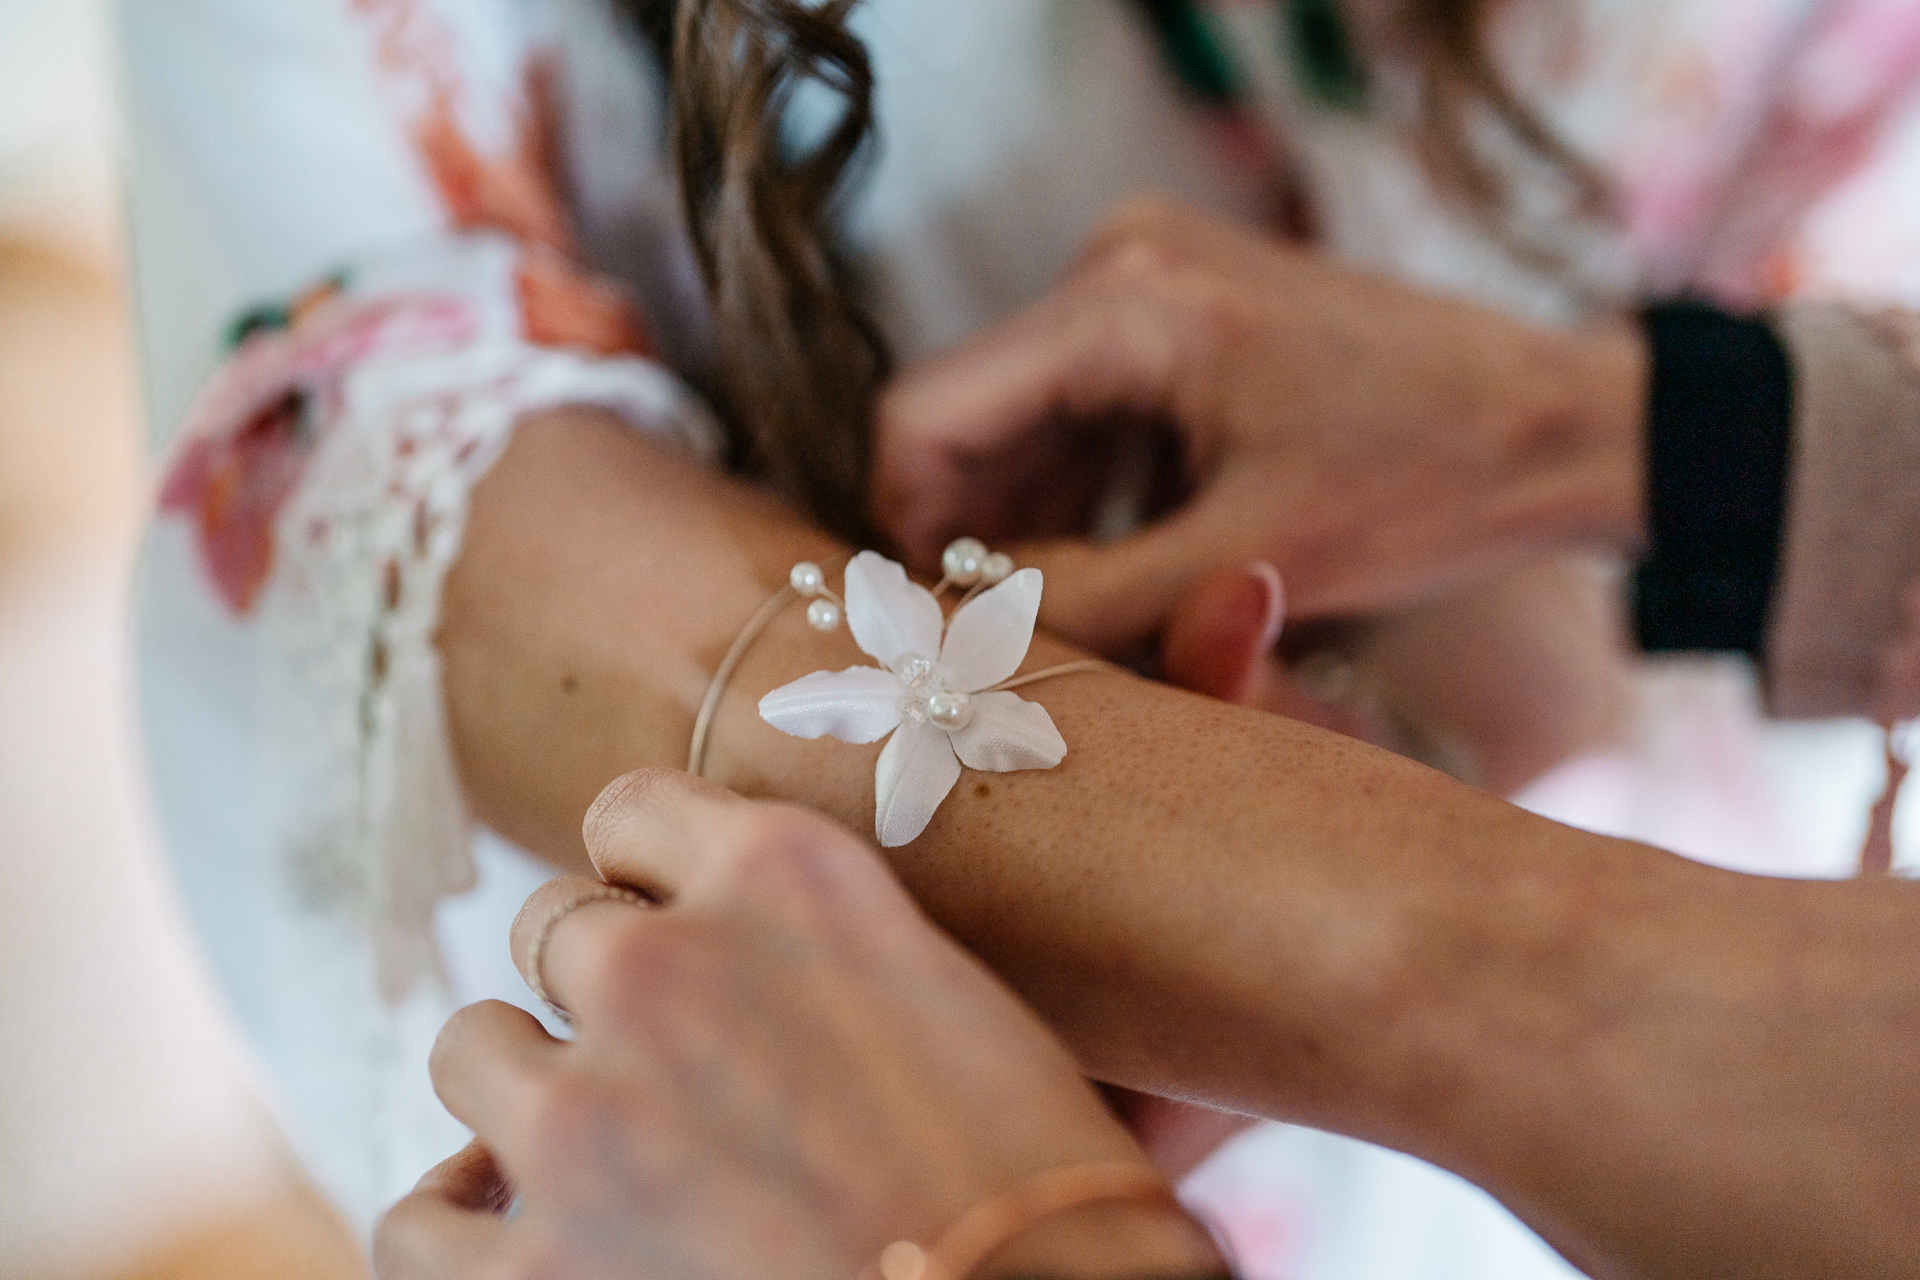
(890, 616)
(1007, 733)
(860, 704)
(988, 638)
(915, 772)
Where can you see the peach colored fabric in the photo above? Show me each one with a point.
(1852, 541)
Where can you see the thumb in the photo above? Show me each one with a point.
(1112, 596)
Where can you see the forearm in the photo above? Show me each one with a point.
(1224, 904)
(1202, 899)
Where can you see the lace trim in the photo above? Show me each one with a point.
(373, 821)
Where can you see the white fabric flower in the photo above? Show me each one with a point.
(933, 693)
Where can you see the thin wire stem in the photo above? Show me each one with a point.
(1064, 669)
(697, 753)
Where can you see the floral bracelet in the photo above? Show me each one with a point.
(943, 688)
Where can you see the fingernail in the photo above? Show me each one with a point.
(1276, 601)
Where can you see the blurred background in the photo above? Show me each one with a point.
(135, 1140)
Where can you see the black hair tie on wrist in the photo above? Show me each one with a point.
(1719, 427)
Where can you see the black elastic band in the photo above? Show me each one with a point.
(1719, 422)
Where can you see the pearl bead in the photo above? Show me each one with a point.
(823, 615)
(807, 579)
(963, 559)
(997, 568)
(951, 709)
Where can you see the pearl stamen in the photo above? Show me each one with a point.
(963, 561)
(807, 579)
(950, 709)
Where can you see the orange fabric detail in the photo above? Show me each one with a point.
(563, 306)
(507, 194)
(303, 307)
(517, 193)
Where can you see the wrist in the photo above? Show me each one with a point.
(1528, 979)
(1109, 1242)
(1577, 438)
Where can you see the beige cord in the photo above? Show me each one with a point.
(697, 754)
(1064, 669)
(992, 1224)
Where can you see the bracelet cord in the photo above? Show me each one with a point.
(987, 1227)
(703, 722)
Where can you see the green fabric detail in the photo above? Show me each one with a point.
(276, 315)
(255, 319)
(1329, 70)
(1193, 52)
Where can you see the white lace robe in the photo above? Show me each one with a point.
(460, 164)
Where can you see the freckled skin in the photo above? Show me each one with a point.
(1226, 905)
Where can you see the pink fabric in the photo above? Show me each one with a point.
(1750, 129)
(244, 446)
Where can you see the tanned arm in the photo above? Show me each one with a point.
(1220, 904)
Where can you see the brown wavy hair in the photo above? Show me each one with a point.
(1448, 41)
(800, 358)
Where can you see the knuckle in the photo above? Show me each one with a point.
(1215, 316)
(633, 952)
(646, 965)
(1143, 240)
(1144, 264)
(1148, 215)
(788, 848)
(567, 1109)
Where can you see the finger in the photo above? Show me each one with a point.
(722, 853)
(487, 1065)
(944, 429)
(707, 846)
(1222, 632)
(652, 829)
(436, 1234)
(1110, 596)
(562, 934)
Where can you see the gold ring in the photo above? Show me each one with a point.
(536, 950)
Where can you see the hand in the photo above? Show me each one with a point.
(780, 1071)
(1374, 443)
